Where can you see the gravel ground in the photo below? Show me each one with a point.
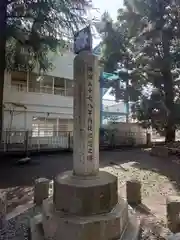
(159, 177)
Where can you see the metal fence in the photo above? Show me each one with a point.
(27, 141)
(24, 141)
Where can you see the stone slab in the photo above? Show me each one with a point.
(36, 228)
(18, 222)
(107, 226)
(133, 229)
(84, 196)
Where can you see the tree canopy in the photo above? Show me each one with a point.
(34, 28)
(144, 45)
(31, 29)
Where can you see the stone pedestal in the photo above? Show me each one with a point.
(85, 204)
(86, 208)
(85, 196)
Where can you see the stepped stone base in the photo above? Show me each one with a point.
(85, 196)
(120, 223)
(85, 208)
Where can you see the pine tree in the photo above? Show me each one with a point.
(30, 29)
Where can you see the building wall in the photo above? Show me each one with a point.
(39, 104)
(62, 65)
(123, 131)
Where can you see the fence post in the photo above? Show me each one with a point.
(6, 143)
(112, 140)
(69, 141)
(26, 143)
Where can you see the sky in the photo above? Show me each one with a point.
(105, 5)
(111, 7)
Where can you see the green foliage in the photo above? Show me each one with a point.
(145, 41)
(31, 29)
(35, 28)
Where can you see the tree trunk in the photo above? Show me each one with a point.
(3, 15)
(170, 129)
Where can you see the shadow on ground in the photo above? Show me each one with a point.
(13, 175)
(169, 167)
(16, 175)
(141, 159)
(19, 179)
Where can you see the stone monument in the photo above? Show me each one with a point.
(85, 203)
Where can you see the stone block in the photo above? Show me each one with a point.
(133, 192)
(173, 213)
(160, 151)
(109, 226)
(41, 190)
(84, 196)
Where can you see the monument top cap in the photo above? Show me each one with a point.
(83, 40)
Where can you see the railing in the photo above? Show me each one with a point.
(27, 141)
(43, 89)
(24, 141)
(19, 88)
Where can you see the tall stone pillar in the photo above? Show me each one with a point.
(86, 115)
(85, 204)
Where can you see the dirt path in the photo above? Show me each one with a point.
(159, 177)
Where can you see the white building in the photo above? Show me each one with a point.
(44, 104)
(41, 104)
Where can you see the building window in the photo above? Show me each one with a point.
(19, 81)
(70, 87)
(42, 127)
(34, 82)
(59, 86)
(42, 130)
(46, 84)
(42, 84)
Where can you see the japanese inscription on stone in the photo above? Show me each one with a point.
(89, 114)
